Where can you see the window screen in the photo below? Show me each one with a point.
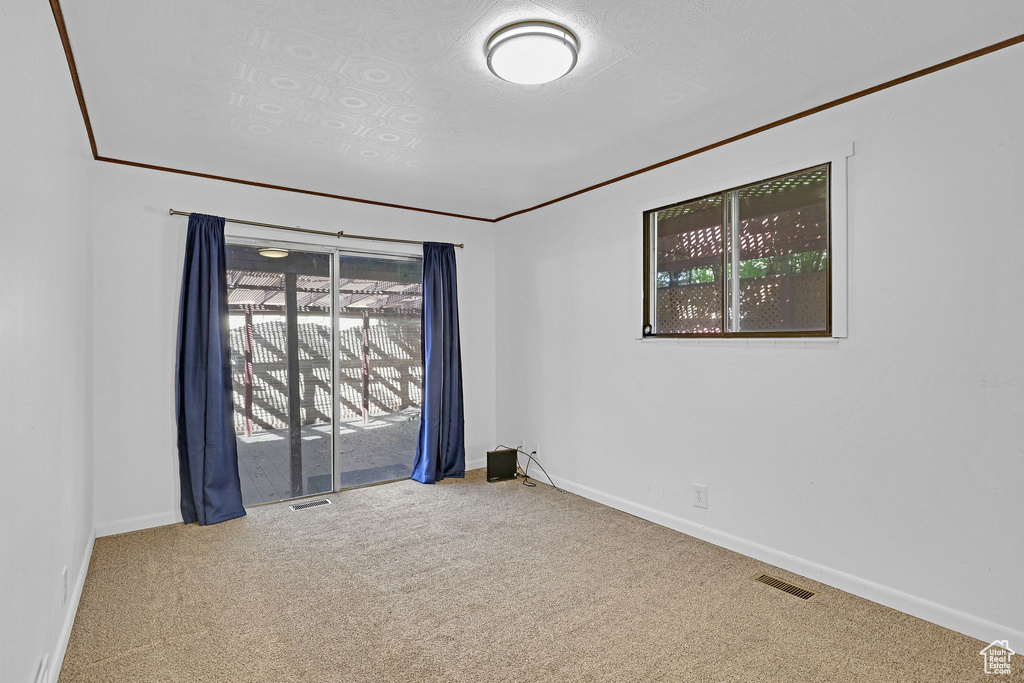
(750, 261)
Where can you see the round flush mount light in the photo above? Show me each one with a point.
(273, 252)
(532, 52)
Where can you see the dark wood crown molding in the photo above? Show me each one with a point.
(285, 188)
(775, 124)
(62, 29)
(58, 17)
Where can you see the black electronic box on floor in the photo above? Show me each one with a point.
(501, 464)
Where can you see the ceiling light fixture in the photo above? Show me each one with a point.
(273, 252)
(532, 52)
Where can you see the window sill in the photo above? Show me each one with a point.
(745, 342)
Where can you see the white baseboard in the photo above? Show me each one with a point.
(947, 617)
(71, 610)
(123, 526)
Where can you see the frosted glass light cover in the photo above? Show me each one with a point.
(531, 53)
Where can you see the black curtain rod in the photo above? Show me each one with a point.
(340, 233)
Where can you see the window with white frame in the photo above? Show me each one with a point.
(751, 261)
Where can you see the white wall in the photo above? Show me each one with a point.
(138, 261)
(45, 343)
(901, 483)
(889, 464)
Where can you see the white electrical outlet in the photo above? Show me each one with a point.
(700, 496)
(64, 587)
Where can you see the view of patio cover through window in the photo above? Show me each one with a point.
(325, 396)
(750, 261)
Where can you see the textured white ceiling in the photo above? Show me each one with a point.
(392, 101)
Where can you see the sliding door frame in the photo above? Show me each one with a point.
(334, 252)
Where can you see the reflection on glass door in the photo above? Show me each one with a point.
(281, 350)
(380, 373)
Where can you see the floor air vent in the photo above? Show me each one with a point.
(784, 586)
(310, 504)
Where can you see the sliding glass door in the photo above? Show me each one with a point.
(379, 368)
(280, 311)
(326, 368)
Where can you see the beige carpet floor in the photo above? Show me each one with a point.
(471, 581)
